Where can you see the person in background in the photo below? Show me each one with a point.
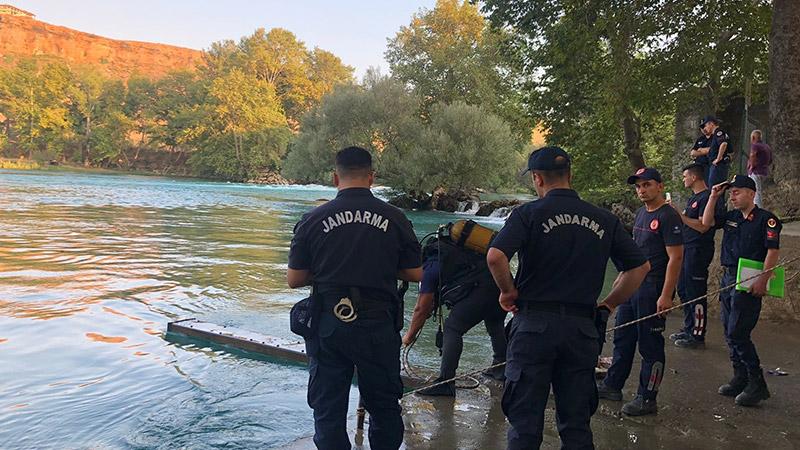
(758, 163)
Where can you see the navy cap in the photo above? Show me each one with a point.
(645, 173)
(707, 119)
(548, 158)
(743, 181)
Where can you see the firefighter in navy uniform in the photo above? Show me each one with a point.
(698, 251)
(353, 249)
(563, 244)
(657, 230)
(457, 277)
(752, 233)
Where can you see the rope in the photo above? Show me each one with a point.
(478, 371)
(689, 302)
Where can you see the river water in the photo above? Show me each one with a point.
(92, 267)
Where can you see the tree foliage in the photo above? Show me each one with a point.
(298, 76)
(608, 75)
(450, 53)
(456, 146)
(33, 102)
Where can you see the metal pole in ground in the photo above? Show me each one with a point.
(361, 414)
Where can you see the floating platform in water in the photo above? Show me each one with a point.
(294, 351)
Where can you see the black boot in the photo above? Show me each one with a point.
(496, 373)
(442, 390)
(737, 383)
(640, 407)
(755, 391)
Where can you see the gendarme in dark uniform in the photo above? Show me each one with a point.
(703, 141)
(752, 233)
(354, 247)
(718, 170)
(563, 244)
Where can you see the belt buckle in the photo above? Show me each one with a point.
(345, 311)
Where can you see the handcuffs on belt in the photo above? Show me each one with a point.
(345, 311)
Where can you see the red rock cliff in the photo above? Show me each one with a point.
(22, 36)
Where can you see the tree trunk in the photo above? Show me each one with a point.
(784, 105)
(632, 134)
(86, 160)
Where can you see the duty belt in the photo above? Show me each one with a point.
(566, 309)
(353, 306)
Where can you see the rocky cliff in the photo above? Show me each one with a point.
(23, 37)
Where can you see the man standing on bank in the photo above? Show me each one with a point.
(752, 233)
(563, 244)
(758, 163)
(719, 152)
(698, 251)
(353, 249)
(658, 231)
(700, 150)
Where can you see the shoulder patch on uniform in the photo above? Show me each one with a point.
(720, 133)
(694, 205)
(676, 229)
(654, 224)
(772, 223)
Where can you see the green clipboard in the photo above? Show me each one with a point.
(749, 268)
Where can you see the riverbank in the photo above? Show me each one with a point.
(691, 413)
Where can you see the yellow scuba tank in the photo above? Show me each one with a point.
(470, 235)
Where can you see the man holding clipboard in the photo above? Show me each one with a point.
(751, 233)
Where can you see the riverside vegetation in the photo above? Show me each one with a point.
(467, 88)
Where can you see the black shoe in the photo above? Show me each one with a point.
(678, 335)
(755, 391)
(736, 385)
(690, 342)
(442, 390)
(640, 407)
(607, 393)
(496, 373)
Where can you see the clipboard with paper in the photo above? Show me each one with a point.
(748, 269)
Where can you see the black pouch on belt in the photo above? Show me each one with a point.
(601, 315)
(304, 315)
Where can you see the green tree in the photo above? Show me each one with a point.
(32, 99)
(140, 98)
(299, 77)
(450, 53)
(458, 147)
(381, 116)
(177, 107)
(463, 148)
(242, 129)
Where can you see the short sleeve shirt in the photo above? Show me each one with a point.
(749, 237)
(702, 142)
(717, 139)
(430, 277)
(653, 232)
(695, 207)
(564, 244)
(355, 240)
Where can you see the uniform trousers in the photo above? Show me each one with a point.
(740, 312)
(550, 349)
(649, 335)
(372, 347)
